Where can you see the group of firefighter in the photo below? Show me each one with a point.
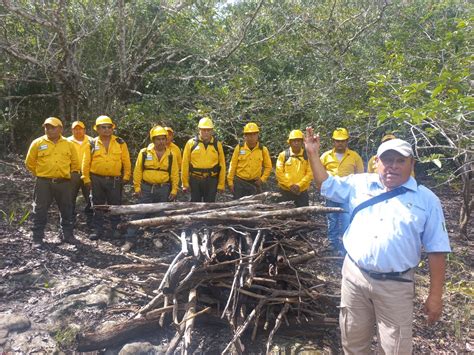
(392, 216)
(100, 166)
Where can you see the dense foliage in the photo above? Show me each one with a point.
(372, 67)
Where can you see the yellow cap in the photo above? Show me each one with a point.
(78, 123)
(251, 128)
(340, 134)
(53, 121)
(169, 129)
(388, 137)
(205, 122)
(103, 120)
(158, 131)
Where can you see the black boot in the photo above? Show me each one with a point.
(69, 238)
(37, 239)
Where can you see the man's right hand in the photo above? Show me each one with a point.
(312, 142)
(185, 189)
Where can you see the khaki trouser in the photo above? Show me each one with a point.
(366, 302)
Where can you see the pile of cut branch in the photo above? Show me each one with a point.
(242, 261)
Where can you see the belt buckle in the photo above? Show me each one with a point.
(377, 275)
(54, 180)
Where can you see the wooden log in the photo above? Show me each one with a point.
(190, 310)
(189, 323)
(189, 219)
(277, 325)
(119, 333)
(145, 208)
(195, 244)
(125, 268)
(244, 326)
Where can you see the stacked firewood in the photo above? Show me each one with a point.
(243, 261)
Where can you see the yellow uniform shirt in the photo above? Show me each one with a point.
(372, 168)
(351, 163)
(52, 160)
(177, 153)
(249, 164)
(80, 146)
(203, 158)
(155, 171)
(294, 171)
(114, 161)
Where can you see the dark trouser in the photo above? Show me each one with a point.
(150, 194)
(244, 187)
(77, 184)
(105, 190)
(203, 189)
(300, 200)
(45, 191)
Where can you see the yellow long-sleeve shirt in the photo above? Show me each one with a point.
(80, 146)
(114, 161)
(177, 153)
(52, 160)
(203, 158)
(249, 164)
(351, 163)
(294, 171)
(148, 170)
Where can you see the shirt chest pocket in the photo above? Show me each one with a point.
(413, 215)
(257, 157)
(44, 152)
(115, 151)
(150, 163)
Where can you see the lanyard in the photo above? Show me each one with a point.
(380, 198)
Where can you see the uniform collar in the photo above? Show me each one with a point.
(247, 147)
(333, 152)
(299, 154)
(151, 148)
(112, 138)
(61, 138)
(72, 139)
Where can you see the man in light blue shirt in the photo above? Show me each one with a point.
(384, 243)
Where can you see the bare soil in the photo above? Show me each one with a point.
(37, 282)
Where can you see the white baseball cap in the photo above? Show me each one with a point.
(398, 145)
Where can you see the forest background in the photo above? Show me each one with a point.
(374, 67)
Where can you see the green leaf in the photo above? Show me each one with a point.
(437, 90)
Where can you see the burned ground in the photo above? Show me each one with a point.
(51, 294)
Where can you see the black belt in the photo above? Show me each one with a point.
(251, 181)
(202, 176)
(107, 177)
(155, 185)
(54, 180)
(394, 276)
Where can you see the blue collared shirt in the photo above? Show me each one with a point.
(388, 236)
